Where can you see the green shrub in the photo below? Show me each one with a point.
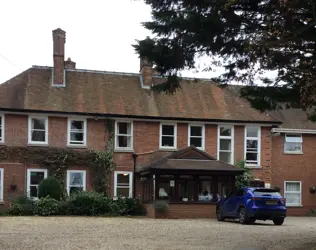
(50, 187)
(134, 207)
(47, 206)
(22, 205)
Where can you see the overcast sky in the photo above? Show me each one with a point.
(99, 34)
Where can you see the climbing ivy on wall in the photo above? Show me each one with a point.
(57, 160)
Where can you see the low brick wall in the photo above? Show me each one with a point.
(184, 211)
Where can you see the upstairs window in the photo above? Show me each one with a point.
(196, 136)
(124, 135)
(77, 132)
(252, 146)
(168, 136)
(38, 130)
(293, 144)
(226, 144)
(1, 128)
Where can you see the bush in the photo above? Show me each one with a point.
(50, 187)
(47, 206)
(135, 207)
(22, 205)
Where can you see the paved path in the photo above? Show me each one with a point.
(142, 233)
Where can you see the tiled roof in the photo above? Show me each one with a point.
(110, 93)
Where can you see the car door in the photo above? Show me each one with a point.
(232, 203)
(238, 201)
(228, 203)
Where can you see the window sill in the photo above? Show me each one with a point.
(76, 146)
(37, 144)
(127, 150)
(293, 153)
(294, 205)
(168, 149)
(252, 166)
(2, 143)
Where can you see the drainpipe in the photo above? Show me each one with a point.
(134, 170)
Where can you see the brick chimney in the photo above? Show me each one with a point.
(59, 40)
(70, 64)
(146, 70)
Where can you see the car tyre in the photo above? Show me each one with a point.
(243, 216)
(278, 221)
(220, 214)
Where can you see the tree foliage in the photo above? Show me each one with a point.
(244, 179)
(246, 37)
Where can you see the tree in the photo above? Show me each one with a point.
(244, 179)
(247, 37)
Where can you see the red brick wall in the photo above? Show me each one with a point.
(287, 167)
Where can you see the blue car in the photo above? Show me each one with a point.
(251, 204)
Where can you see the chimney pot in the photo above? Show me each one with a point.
(70, 64)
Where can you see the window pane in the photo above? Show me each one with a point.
(293, 186)
(38, 136)
(36, 177)
(77, 125)
(251, 157)
(124, 192)
(252, 144)
(293, 138)
(124, 141)
(33, 191)
(225, 131)
(167, 141)
(225, 144)
(76, 136)
(225, 157)
(293, 146)
(167, 129)
(75, 189)
(122, 179)
(293, 198)
(124, 128)
(197, 142)
(252, 132)
(38, 123)
(76, 179)
(196, 131)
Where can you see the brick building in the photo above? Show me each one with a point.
(182, 147)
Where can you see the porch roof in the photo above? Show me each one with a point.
(189, 159)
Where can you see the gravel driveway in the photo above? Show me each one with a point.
(142, 233)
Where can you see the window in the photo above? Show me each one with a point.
(1, 183)
(76, 181)
(196, 136)
(293, 144)
(38, 130)
(124, 135)
(123, 184)
(1, 128)
(292, 193)
(226, 144)
(252, 146)
(168, 136)
(34, 177)
(77, 132)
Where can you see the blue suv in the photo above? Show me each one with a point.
(251, 204)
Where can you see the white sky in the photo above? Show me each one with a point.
(99, 34)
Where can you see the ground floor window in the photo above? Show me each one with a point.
(1, 184)
(293, 193)
(123, 184)
(34, 177)
(76, 181)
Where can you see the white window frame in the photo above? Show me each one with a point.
(30, 130)
(130, 193)
(174, 136)
(28, 181)
(259, 146)
(2, 127)
(84, 172)
(232, 138)
(293, 152)
(300, 192)
(202, 136)
(69, 142)
(1, 184)
(116, 136)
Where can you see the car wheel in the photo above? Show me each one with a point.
(220, 214)
(243, 216)
(278, 221)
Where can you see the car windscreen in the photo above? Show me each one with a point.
(266, 192)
